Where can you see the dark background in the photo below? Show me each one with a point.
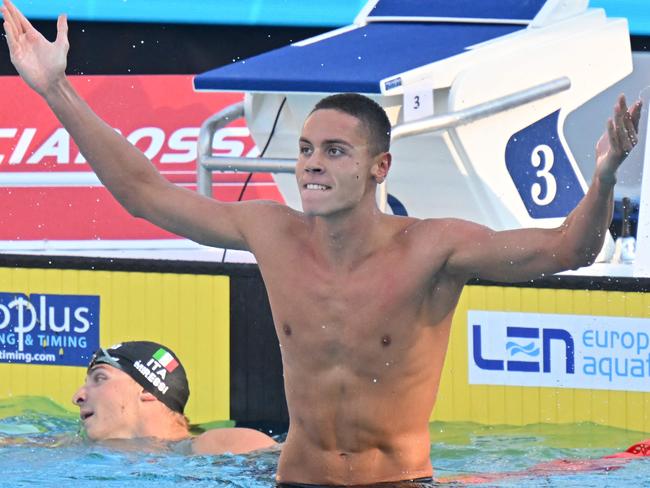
(101, 48)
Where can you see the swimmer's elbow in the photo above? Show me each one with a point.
(576, 260)
(142, 199)
(556, 252)
(576, 256)
(134, 206)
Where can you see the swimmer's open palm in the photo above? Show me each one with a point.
(39, 62)
(619, 139)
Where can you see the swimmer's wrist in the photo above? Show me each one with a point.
(60, 87)
(606, 180)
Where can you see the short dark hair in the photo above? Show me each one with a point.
(369, 113)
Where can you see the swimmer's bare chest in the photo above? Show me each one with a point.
(334, 320)
(362, 351)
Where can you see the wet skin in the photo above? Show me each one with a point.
(362, 351)
(362, 301)
(112, 406)
(108, 404)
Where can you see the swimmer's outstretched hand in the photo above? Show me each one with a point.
(618, 140)
(39, 62)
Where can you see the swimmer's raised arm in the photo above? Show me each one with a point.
(122, 168)
(523, 254)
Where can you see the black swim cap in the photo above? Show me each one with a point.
(155, 367)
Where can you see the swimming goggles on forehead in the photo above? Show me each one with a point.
(101, 356)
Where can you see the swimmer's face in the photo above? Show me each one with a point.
(335, 170)
(109, 404)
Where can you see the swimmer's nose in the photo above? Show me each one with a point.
(314, 168)
(79, 396)
(313, 164)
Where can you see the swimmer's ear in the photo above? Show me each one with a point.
(381, 166)
(145, 396)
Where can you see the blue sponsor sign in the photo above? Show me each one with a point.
(48, 329)
(565, 351)
(526, 348)
(541, 170)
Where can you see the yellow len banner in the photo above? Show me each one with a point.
(51, 320)
(568, 356)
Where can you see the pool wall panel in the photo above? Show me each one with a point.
(495, 404)
(190, 313)
(217, 318)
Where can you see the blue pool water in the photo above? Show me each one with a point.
(40, 445)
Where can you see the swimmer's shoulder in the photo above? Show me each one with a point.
(433, 228)
(235, 440)
(268, 211)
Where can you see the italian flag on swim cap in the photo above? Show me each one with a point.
(165, 359)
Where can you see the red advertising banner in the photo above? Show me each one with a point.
(48, 191)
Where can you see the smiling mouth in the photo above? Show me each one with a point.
(85, 416)
(315, 186)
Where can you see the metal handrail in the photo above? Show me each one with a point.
(206, 163)
(482, 110)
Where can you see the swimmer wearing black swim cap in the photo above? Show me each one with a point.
(154, 367)
(139, 390)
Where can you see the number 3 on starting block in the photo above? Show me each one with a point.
(418, 101)
(541, 171)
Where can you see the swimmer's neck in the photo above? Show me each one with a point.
(346, 237)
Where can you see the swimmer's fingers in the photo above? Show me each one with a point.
(21, 21)
(62, 32)
(626, 137)
(10, 25)
(612, 135)
(635, 114)
(628, 122)
(17, 27)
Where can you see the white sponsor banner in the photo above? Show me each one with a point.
(565, 351)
